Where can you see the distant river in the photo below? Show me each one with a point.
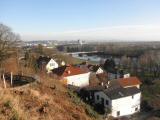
(97, 59)
(93, 58)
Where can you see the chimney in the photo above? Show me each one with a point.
(101, 83)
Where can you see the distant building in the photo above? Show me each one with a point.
(92, 68)
(80, 42)
(115, 74)
(52, 64)
(96, 69)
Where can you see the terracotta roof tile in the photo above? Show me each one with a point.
(71, 70)
(66, 71)
(131, 81)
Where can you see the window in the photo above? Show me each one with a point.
(107, 102)
(136, 109)
(118, 113)
(97, 97)
(132, 96)
(102, 101)
(51, 64)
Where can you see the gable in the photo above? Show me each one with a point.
(100, 70)
(54, 63)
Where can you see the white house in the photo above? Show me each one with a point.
(72, 75)
(46, 63)
(52, 64)
(121, 101)
(96, 69)
(115, 74)
(79, 80)
(99, 71)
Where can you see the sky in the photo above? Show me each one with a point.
(109, 20)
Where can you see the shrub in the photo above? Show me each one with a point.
(145, 106)
(88, 109)
(74, 97)
(8, 104)
(90, 112)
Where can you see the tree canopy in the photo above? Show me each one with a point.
(8, 40)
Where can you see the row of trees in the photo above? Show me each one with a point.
(148, 64)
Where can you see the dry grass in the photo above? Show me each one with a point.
(47, 100)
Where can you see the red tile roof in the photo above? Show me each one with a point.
(71, 70)
(66, 71)
(131, 81)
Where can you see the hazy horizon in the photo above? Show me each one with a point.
(134, 20)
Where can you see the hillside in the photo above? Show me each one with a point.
(45, 99)
(39, 101)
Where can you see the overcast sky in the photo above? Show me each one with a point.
(83, 19)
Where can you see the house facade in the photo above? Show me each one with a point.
(121, 96)
(79, 80)
(46, 63)
(120, 101)
(52, 64)
(99, 70)
(72, 75)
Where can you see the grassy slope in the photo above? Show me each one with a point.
(44, 100)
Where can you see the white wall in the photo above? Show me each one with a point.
(80, 80)
(138, 86)
(125, 105)
(51, 65)
(100, 70)
(126, 75)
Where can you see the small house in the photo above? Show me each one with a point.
(72, 75)
(46, 63)
(119, 101)
(96, 69)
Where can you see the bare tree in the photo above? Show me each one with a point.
(8, 40)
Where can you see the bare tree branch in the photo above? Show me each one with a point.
(8, 40)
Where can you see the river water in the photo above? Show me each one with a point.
(97, 59)
(101, 59)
